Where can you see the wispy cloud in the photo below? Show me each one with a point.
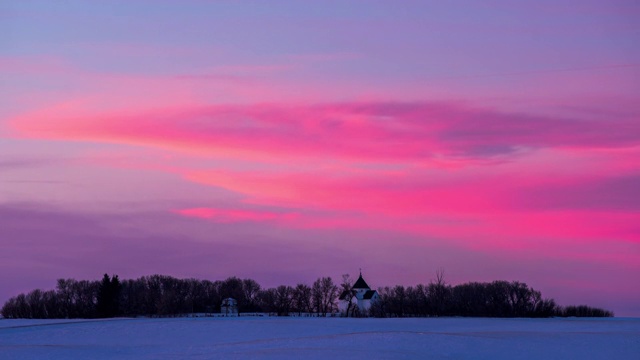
(504, 174)
(20, 163)
(374, 132)
(234, 215)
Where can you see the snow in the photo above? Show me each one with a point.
(320, 338)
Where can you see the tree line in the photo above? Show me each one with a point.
(495, 299)
(160, 295)
(474, 299)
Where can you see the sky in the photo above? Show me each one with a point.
(288, 140)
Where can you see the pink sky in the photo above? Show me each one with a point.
(294, 140)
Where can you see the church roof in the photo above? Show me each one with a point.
(369, 294)
(360, 284)
(344, 294)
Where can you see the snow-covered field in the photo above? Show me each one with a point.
(321, 338)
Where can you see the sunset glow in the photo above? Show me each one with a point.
(288, 140)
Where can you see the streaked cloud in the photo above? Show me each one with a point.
(371, 132)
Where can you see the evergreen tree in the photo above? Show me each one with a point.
(109, 297)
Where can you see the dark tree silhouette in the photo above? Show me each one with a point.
(109, 297)
(301, 299)
(159, 295)
(348, 295)
(324, 294)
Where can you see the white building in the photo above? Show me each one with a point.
(229, 307)
(359, 296)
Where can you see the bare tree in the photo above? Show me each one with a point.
(438, 294)
(324, 294)
(302, 298)
(347, 294)
(250, 289)
(283, 299)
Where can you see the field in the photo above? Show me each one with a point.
(320, 338)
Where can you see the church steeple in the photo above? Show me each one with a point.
(360, 283)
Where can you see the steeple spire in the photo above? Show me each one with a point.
(360, 283)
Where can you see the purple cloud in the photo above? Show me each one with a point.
(608, 192)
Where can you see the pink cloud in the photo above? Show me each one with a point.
(482, 179)
(234, 215)
(504, 199)
(373, 132)
(485, 214)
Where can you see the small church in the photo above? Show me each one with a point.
(360, 295)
